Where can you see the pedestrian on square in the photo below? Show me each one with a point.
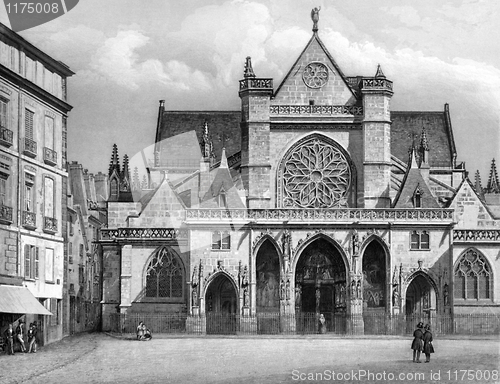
(141, 329)
(32, 338)
(322, 324)
(417, 344)
(428, 347)
(9, 335)
(20, 333)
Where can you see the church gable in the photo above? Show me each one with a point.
(316, 79)
(470, 211)
(161, 208)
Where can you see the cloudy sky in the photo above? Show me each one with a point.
(128, 54)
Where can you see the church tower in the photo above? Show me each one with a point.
(255, 94)
(377, 93)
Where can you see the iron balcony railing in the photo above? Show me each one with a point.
(6, 137)
(49, 156)
(30, 147)
(49, 224)
(29, 219)
(5, 214)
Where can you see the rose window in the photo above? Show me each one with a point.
(315, 175)
(315, 75)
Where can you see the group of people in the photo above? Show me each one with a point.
(19, 335)
(143, 333)
(422, 342)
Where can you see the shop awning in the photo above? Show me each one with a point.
(20, 300)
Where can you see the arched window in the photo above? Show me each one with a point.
(164, 276)
(473, 277)
(315, 173)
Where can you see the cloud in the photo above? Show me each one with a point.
(117, 60)
(406, 14)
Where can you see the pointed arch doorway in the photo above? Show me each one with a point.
(320, 286)
(221, 306)
(420, 300)
(268, 284)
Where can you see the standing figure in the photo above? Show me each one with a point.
(315, 18)
(417, 344)
(20, 332)
(32, 338)
(298, 295)
(428, 347)
(9, 338)
(322, 324)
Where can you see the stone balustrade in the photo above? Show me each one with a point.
(334, 110)
(476, 235)
(172, 234)
(321, 215)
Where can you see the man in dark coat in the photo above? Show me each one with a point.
(9, 335)
(428, 347)
(417, 344)
(32, 338)
(20, 332)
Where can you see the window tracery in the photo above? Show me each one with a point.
(473, 277)
(164, 276)
(315, 174)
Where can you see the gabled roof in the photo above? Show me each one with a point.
(413, 183)
(467, 196)
(315, 51)
(222, 183)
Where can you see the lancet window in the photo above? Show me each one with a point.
(164, 276)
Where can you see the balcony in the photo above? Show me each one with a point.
(49, 224)
(29, 220)
(6, 137)
(5, 214)
(49, 156)
(29, 147)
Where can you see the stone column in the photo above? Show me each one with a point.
(126, 279)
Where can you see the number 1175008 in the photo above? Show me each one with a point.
(32, 8)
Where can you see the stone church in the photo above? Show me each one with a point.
(314, 198)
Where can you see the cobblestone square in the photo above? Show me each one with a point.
(100, 358)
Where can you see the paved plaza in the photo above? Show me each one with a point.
(101, 358)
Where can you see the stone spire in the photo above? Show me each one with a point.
(493, 185)
(223, 159)
(206, 143)
(125, 168)
(424, 149)
(477, 184)
(114, 164)
(248, 72)
(379, 74)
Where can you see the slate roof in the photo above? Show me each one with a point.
(438, 130)
(412, 181)
(405, 124)
(220, 123)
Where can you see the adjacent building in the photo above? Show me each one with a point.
(82, 282)
(33, 184)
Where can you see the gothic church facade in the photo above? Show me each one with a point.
(314, 198)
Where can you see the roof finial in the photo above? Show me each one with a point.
(315, 18)
(379, 73)
(248, 68)
(424, 143)
(493, 182)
